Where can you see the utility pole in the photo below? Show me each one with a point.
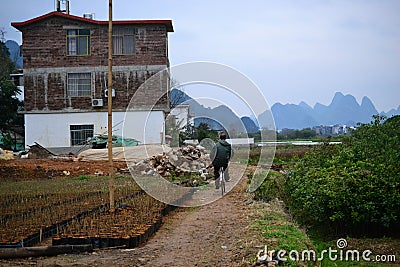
(109, 88)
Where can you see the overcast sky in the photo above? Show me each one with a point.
(293, 50)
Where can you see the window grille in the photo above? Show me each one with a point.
(80, 134)
(79, 84)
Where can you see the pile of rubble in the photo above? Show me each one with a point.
(177, 162)
(6, 154)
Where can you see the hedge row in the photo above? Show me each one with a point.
(353, 188)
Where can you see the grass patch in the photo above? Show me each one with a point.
(279, 232)
(282, 154)
(84, 177)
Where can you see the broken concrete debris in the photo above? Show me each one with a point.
(180, 162)
(37, 151)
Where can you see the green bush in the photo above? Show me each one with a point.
(271, 187)
(353, 188)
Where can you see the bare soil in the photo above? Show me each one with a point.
(210, 235)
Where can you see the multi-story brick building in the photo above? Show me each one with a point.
(65, 78)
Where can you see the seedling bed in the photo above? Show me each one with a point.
(129, 226)
(34, 210)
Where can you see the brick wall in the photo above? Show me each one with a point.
(46, 88)
(46, 65)
(45, 45)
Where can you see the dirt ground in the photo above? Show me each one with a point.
(210, 235)
(217, 234)
(36, 169)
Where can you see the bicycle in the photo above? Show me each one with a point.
(222, 180)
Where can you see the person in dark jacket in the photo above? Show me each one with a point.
(220, 156)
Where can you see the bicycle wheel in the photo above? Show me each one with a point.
(223, 186)
(222, 181)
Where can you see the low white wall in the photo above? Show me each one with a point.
(241, 141)
(53, 129)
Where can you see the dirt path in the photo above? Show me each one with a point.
(209, 235)
(205, 236)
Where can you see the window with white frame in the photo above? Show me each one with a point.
(79, 84)
(80, 134)
(78, 42)
(123, 41)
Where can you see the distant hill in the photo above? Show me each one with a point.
(15, 54)
(392, 112)
(291, 116)
(218, 118)
(249, 125)
(343, 110)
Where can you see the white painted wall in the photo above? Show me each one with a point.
(146, 126)
(53, 129)
(181, 112)
(241, 141)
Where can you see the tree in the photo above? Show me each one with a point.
(174, 128)
(290, 134)
(204, 131)
(9, 102)
(177, 94)
(6, 65)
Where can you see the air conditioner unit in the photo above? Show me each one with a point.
(97, 102)
(112, 93)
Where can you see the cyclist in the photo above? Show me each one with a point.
(220, 156)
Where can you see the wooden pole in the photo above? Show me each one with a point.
(109, 88)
